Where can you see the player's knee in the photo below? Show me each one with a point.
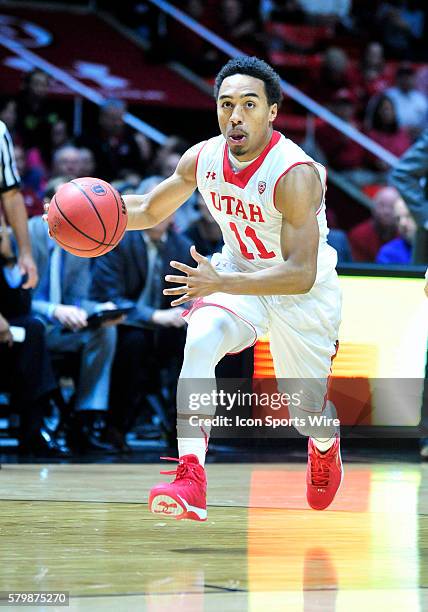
(202, 332)
(196, 345)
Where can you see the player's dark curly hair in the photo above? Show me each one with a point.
(257, 68)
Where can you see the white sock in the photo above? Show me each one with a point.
(323, 444)
(192, 446)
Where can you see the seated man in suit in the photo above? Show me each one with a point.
(153, 335)
(26, 370)
(61, 301)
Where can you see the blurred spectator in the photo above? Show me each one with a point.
(14, 207)
(367, 237)
(411, 106)
(399, 250)
(182, 44)
(204, 232)
(59, 134)
(401, 25)
(173, 144)
(239, 23)
(382, 127)
(58, 138)
(370, 76)
(327, 11)
(86, 162)
(26, 371)
(421, 80)
(373, 58)
(129, 183)
(36, 112)
(342, 153)
(166, 163)
(66, 162)
(152, 337)
(410, 178)
(31, 184)
(8, 114)
(287, 11)
(61, 301)
(338, 239)
(116, 147)
(334, 75)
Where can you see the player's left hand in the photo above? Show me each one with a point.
(197, 282)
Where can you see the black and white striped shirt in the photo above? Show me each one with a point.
(9, 176)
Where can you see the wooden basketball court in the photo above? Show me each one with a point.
(86, 529)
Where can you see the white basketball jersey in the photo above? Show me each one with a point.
(242, 202)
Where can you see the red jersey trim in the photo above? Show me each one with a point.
(197, 160)
(309, 163)
(241, 178)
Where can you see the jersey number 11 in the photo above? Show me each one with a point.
(262, 252)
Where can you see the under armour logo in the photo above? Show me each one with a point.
(210, 175)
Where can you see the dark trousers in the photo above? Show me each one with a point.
(26, 372)
(142, 355)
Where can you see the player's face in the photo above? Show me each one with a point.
(244, 115)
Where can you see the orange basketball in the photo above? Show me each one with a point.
(87, 217)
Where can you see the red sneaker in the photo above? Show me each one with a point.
(186, 496)
(323, 475)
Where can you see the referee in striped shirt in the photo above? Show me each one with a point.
(14, 207)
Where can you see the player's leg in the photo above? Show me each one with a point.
(213, 332)
(303, 343)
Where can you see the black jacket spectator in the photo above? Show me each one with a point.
(26, 371)
(152, 338)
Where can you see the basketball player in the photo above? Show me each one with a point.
(276, 274)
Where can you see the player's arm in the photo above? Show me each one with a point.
(148, 210)
(298, 197)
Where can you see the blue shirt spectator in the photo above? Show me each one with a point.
(397, 251)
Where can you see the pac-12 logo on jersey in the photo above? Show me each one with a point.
(262, 187)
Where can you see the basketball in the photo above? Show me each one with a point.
(87, 217)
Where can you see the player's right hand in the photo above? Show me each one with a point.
(170, 317)
(71, 317)
(426, 288)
